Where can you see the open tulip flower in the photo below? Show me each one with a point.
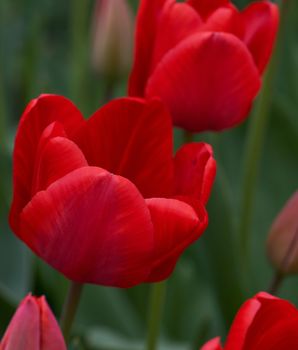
(203, 58)
(33, 327)
(103, 201)
(262, 323)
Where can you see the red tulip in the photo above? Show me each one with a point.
(262, 323)
(33, 327)
(203, 58)
(103, 201)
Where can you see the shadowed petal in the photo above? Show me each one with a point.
(176, 225)
(132, 138)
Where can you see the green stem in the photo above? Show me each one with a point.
(188, 136)
(276, 282)
(79, 50)
(253, 151)
(157, 300)
(69, 308)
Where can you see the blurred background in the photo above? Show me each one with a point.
(45, 47)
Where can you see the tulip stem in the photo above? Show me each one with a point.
(158, 293)
(69, 308)
(276, 282)
(253, 148)
(188, 136)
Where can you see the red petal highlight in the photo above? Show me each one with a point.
(213, 344)
(195, 170)
(132, 138)
(206, 7)
(92, 226)
(176, 226)
(38, 115)
(200, 97)
(147, 20)
(261, 21)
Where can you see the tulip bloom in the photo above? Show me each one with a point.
(203, 58)
(33, 327)
(262, 323)
(282, 243)
(103, 201)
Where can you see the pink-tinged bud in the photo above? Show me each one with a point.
(33, 327)
(282, 244)
(113, 31)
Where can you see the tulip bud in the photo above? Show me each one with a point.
(113, 29)
(282, 243)
(33, 327)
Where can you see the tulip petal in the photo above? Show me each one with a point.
(146, 24)
(206, 7)
(132, 138)
(261, 22)
(213, 344)
(52, 338)
(283, 335)
(58, 157)
(195, 170)
(176, 226)
(202, 92)
(92, 226)
(177, 22)
(23, 331)
(38, 115)
(225, 19)
(254, 317)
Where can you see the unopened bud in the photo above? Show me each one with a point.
(113, 31)
(282, 243)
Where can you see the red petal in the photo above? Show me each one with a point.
(56, 158)
(92, 226)
(176, 226)
(52, 338)
(132, 138)
(225, 19)
(213, 344)
(23, 331)
(176, 23)
(261, 21)
(283, 335)
(195, 170)
(38, 115)
(33, 327)
(206, 7)
(202, 92)
(146, 26)
(254, 317)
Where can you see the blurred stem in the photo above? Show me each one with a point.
(79, 20)
(276, 282)
(253, 149)
(157, 299)
(69, 308)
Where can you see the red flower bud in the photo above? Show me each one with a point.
(203, 58)
(282, 243)
(103, 201)
(33, 327)
(262, 323)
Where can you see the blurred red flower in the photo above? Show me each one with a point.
(103, 201)
(262, 323)
(33, 327)
(203, 58)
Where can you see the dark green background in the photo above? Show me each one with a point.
(45, 47)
